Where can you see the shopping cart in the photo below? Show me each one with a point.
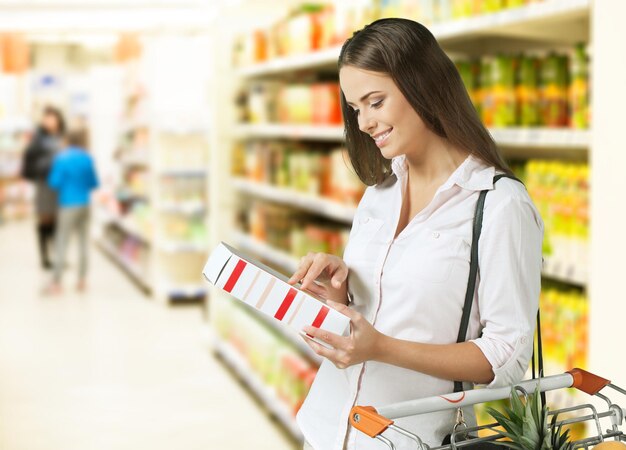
(374, 421)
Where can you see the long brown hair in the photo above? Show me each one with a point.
(408, 53)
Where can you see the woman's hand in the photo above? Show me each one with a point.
(363, 344)
(324, 275)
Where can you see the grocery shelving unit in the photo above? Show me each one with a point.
(551, 24)
(242, 370)
(180, 204)
(164, 139)
(15, 193)
(121, 238)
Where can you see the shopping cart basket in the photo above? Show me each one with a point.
(373, 421)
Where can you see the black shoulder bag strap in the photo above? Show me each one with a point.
(471, 286)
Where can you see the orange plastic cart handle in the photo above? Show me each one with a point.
(588, 382)
(368, 421)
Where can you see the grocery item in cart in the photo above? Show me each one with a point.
(268, 291)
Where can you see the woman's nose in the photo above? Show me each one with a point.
(366, 123)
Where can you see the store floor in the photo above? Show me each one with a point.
(111, 369)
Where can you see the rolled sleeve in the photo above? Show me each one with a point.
(508, 290)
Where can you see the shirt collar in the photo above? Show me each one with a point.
(473, 174)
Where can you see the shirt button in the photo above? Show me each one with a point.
(436, 235)
(523, 340)
(365, 220)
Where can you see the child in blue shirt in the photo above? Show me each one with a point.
(73, 176)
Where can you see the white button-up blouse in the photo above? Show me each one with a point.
(413, 288)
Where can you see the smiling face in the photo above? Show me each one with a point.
(383, 112)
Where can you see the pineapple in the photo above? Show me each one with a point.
(526, 425)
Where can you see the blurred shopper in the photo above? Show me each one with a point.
(73, 177)
(410, 269)
(36, 166)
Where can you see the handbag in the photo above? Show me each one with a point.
(467, 308)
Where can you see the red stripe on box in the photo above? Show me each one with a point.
(319, 320)
(284, 306)
(234, 277)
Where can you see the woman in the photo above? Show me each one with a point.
(36, 165)
(415, 138)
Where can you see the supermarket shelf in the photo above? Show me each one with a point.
(182, 208)
(547, 19)
(184, 172)
(130, 229)
(565, 272)
(15, 124)
(182, 247)
(186, 290)
(278, 257)
(135, 161)
(530, 21)
(542, 137)
(308, 132)
(316, 205)
(239, 365)
(320, 58)
(134, 272)
(564, 138)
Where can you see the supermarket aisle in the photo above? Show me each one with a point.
(111, 369)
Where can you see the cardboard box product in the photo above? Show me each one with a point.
(268, 291)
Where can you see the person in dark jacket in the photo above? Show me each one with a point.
(36, 166)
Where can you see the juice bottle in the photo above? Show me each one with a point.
(553, 82)
(527, 92)
(502, 91)
(579, 89)
(487, 98)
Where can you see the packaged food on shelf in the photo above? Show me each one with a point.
(560, 190)
(314, 26)
(325, 104)
(527, 90)
(268, 291)
(271, 357)
(183, 191)
(290, 231)
(554, 82)
(183, 151)
(579, 88)
(303, 168)
(565, 323)
(183, 230)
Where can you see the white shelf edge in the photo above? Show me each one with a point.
(295, 131)
(278, 257)
(263, 392)
(191, 171)
(529, 137)
(181, 208)
(294, 62)
(188, 289)
(509, 17)
(564, 273)
(130, 230)
(181, 247)
(442, 31)
(541, 137)
(128, 267)
(313, 204)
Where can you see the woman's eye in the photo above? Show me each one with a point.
(377, 104)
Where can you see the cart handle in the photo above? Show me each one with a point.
(374, 421)
(588, 382)
(367, 420)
